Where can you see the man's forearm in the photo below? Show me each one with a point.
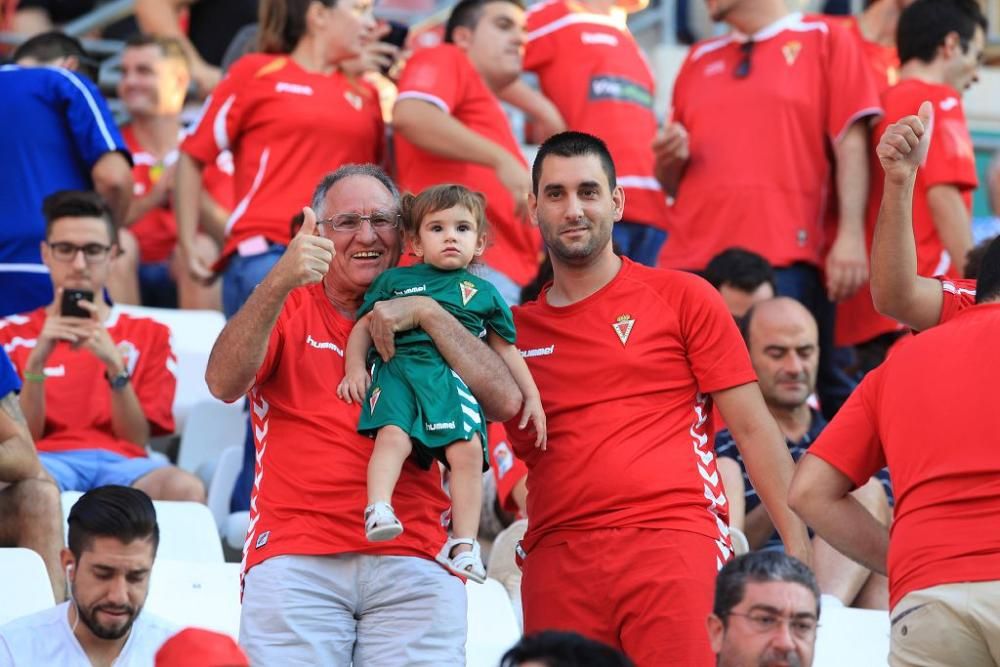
(539, 108)
(430, 128)
(18, 459)
(241, 346)
(112, 177)
(479, 366)
(852, 178)
(951, 220)
(669, 174)
(758, 527)
(128, 421)
(187, 200)
(897, 290)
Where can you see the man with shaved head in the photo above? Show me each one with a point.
(782, 338)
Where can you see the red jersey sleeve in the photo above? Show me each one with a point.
(851, 89)
(218, 124)
(850, 443)
(540, 49)
(715, 349)
(951, 159)
(956, 296)
(435, 76)
(155, 382)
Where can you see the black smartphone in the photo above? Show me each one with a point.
(71, 307)
(397, 37)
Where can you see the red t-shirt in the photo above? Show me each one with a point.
(884, 60)
(507, 468)
(592, 69)
(760, 145)
(156, 232)
(77, 395)
(309, 491)
(945, 465)
(950, 161)
(957, 295)
(625, 377)
(286, 128)
(443, 76)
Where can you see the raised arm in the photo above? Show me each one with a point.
(477, 364)
(767, 460)
(241, 346)
(897, 290)
(847, 261)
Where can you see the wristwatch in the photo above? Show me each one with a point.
(118, 381)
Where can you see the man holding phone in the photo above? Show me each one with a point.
(98, 383)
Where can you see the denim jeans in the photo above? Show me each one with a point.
(640, 243)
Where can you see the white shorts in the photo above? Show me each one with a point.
(369, 610)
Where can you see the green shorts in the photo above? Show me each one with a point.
(423, 396)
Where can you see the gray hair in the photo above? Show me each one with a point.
(759, 567)
(371, 170)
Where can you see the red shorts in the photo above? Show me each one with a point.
(646, 592)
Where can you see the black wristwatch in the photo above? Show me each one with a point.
(119, 380)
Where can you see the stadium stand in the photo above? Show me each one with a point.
(24, 583)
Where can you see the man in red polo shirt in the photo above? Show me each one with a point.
(450, 128)
(592, 70)
(316, 591)
(627, 514)
(943, 556)
(757, 115)
(940, 44)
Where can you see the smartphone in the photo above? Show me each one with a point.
(71, 307)
(397, 37)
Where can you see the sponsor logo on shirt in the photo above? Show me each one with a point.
(468, 291)
(410, 290)
(791, 51)
(623, 327)
(948, 103)
(539, 351)
(598, 38)
(714, 68)
(293, 88)
(323, 345)
(620, 89)
(437, 426)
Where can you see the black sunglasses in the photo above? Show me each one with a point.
(742, 70)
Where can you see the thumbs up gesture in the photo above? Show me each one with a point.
(903, 147)
(308, 256)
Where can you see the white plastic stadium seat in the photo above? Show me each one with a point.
(211, 427)
(492, 626)
(187, 530)
(24, 584)
(193, 332)
(201, 595)
(220, 486)
(855, 637)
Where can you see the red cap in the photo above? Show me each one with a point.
(194, 647)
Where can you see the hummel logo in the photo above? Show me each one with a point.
(323, 345)
(539, 351)
(294, 88)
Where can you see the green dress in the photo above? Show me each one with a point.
(416, 390)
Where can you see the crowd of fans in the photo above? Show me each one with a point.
(713, 313)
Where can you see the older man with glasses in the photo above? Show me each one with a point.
(316, 591)
(98, 383)
(766, 612)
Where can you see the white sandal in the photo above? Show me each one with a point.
(468, 564)
(381, 523)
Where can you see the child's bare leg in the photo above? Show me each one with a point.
(392, 446)
(466, 485)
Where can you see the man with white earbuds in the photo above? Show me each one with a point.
(113, 537)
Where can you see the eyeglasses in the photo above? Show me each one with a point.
(742, 70)
(802, 627)
(351, 222)
(93, 253)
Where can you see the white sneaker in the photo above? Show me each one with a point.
(381, 523)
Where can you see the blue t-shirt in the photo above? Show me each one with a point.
(54, 126)
(9, 381)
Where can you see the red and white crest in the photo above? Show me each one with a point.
(373, 399)
(623, 327)
(468, 291)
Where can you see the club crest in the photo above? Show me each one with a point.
(468, 291)
(791, 51)
(623, 327)
(373, 399)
